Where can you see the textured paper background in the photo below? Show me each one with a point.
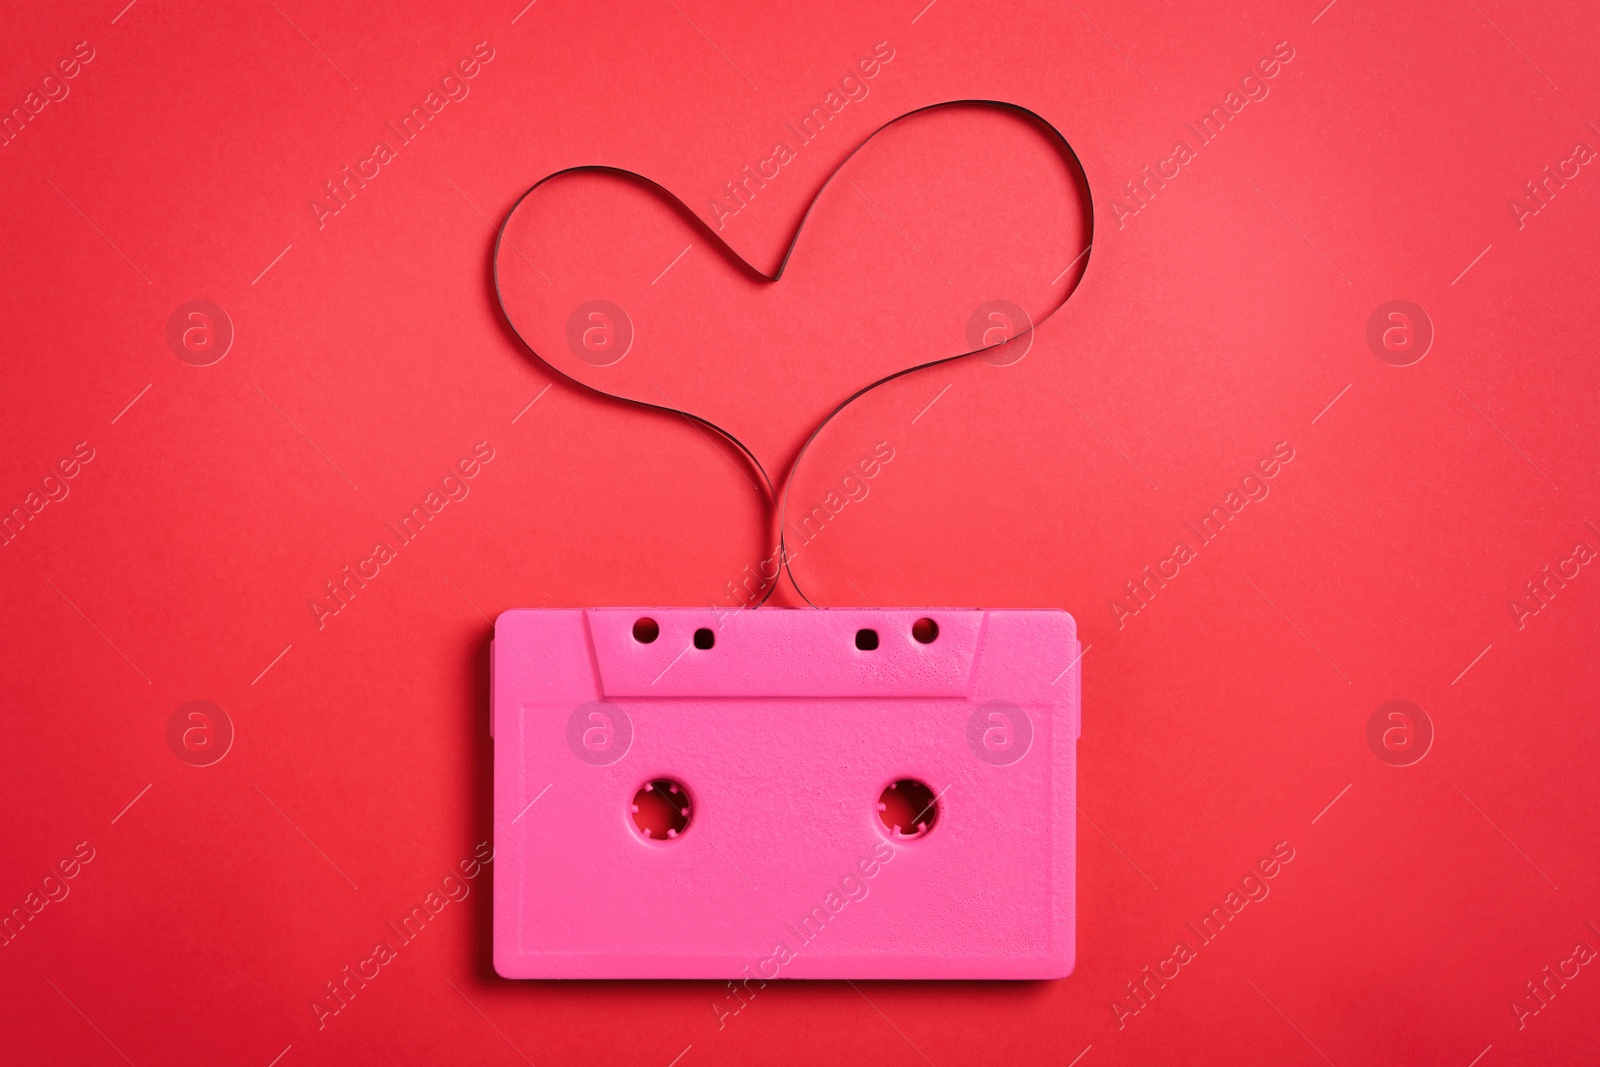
(1229, 714)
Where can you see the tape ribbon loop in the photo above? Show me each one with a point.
(777, 495)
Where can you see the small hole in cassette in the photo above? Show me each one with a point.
(925, 631)
(704, 639)
(661, 809)
(646, 631)
(909, 809)
(866, 640)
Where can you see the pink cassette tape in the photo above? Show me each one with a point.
(782, 793)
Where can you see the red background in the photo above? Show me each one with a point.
(1219, 720)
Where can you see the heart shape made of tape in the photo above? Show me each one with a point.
(954, 230)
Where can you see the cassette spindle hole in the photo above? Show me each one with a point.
(646, 631)
(925, 631)
(661, 809)
(704, 639)
(909, 809)
(866, 640)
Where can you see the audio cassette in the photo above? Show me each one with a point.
(784, 793)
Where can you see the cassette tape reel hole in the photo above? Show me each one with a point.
(908, 809)
(661, 810)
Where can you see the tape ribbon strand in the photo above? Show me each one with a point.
(777, 496)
